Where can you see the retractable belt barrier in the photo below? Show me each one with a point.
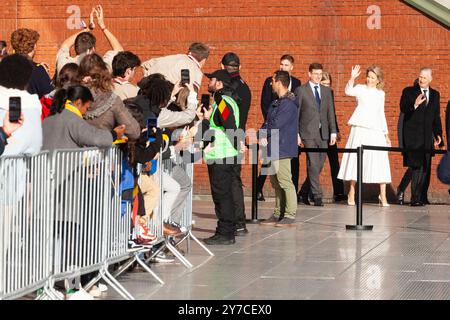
(359, 152)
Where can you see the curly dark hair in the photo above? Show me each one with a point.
(24, 40)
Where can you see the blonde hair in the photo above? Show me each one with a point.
(379, 73)
(182, 97)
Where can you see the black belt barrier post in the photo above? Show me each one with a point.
(359, 203)
(254, 219)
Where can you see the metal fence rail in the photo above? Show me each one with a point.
(25, 220)
(61, 217)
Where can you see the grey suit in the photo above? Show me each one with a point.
(316, 124)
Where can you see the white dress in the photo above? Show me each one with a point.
(368, 127)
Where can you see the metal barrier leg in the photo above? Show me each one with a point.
(191, 235)
(177, 254)
(124, 267)
(51, 292)
(91, 283)
(115, 284)
(154, 254)
(146, 267)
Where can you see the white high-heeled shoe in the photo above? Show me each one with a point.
(381, 203)
(350, 203)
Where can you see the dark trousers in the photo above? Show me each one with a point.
(238, 196)
(420, 181)
(314, 164)
(338, 184)
(406, 180)
(221, 177)
(295, 170)
(407, 177)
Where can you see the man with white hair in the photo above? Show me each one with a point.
(422, 130)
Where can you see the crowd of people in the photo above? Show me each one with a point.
(92, 101)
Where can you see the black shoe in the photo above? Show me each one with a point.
(425, 201)
(304, 199)
(401, 197)
(318, 202)
(286, 223)
(241, 232)
(417, 204)
(340, 197)
(260, 196)
(219, 239)
(271, 221)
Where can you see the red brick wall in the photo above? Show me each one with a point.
(332, 32)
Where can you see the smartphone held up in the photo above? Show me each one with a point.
(15, 109)
(185, 77)
(205, 101)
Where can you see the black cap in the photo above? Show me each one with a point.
(221, 75)
(231, 59)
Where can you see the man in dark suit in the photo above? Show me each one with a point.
(317, 125)
(422, 129)
(267, 97)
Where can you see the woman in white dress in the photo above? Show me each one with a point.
(368, 127)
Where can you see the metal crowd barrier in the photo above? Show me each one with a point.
(156, 226)
(60, 218)
(186, 221)
(25, 225)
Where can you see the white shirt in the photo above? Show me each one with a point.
(427, 94)
(27, 140)
(369, 112)
(313, 85)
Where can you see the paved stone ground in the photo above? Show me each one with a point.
(406, 256)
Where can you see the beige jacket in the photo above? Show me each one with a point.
(170, 67)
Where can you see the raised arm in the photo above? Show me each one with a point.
(349, 88)
(70, 41)
(115, 44)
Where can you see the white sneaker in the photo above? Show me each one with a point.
(102, 287)
(162, 258)
(81, 295)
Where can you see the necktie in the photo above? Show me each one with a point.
(426, 99)
(317, 95)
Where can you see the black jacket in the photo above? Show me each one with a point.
(420, 126)
(243, 97)
(268, 96)
(40, 82)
